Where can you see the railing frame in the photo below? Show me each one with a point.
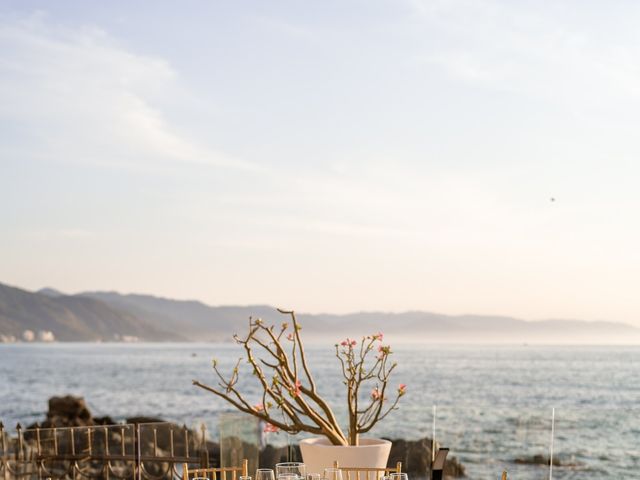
(29, 459)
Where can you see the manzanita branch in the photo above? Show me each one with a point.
(291, 403)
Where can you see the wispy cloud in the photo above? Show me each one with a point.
(83, 97)
(554, 53)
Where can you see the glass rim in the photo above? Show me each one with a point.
(289, 464)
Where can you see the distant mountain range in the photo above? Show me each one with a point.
(109, 316)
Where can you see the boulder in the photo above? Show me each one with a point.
(544, 460)
(415, 456)
(106, 420)
(142, 419)
(67, 411)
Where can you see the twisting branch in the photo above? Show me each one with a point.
(353, 359)
(292, 403)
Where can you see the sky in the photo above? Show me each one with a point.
(336, 156)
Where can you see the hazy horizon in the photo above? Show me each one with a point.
(167, 320)
(326, 311)
(452, 157)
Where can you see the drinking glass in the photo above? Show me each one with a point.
(291, 468)
(289, 476)
(333, 474)
(399, 476)
(265, 474)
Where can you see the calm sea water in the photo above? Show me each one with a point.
(493, 404)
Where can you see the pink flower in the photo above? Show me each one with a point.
(375, 394)
(258, 407)
(268, 428)
(384, 350)
(348, 343)
(297, 392)
(378, 336)
(290, 337)
(402, 389)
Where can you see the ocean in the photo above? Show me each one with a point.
(493, 404)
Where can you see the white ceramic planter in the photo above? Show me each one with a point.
(319, 453)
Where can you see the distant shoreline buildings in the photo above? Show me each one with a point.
(29, 336)
(47, 336)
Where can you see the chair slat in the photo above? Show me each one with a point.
(214, 473)
(367, 473)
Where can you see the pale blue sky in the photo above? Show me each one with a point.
(326, 156)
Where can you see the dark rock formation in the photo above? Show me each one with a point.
(271, 455)
(533, 460)
(415, 456)
(544, 460)
(106, 420)
(136, 420)
(69, 411)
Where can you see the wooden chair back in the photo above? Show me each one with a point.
(367, 473)
(223, 473)
(437, 469)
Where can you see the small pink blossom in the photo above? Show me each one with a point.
(384, 350)
(348, 343)
(290, 337)
(297, 391)
(402, 389)
(375, 394)
(259, 407)
(378, 336)
(268, 428)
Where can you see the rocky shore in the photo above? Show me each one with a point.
(69, 411)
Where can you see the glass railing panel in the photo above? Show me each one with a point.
(241, 437)
(485, 442)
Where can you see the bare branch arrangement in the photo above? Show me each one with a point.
(290, 400)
